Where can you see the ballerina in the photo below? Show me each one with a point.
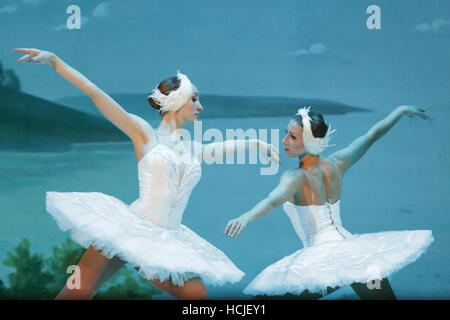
(147, 234)
(331, 256)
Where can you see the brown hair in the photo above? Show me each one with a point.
(318, 126)
(166, 87)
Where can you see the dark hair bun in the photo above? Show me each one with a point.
(165, 87)
(318, 126)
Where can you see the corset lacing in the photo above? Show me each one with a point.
(332, 221)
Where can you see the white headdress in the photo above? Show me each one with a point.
(312, 144)
(177, 98)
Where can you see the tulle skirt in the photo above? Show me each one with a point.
(116, 229)
(358, 258)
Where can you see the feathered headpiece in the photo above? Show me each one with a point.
(177, 98)
(312, 144)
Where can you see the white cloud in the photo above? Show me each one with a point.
(9, 9)
(60, 27)
(435, 26)
(422, 27)
(101, 10)
(14, 8)
(314, 49)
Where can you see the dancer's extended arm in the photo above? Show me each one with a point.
(348, 156)
(290, 181)
(129, 124)
(218, 150)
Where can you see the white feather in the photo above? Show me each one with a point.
(312, 144)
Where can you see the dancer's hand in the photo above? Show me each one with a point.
(235, 226)
(35, 55)
(269, 151)
(412, 110)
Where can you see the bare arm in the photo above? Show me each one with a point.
(107, 105)
(218, 150)
(289, 183)
(348, 156)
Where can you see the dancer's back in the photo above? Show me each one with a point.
(320, 184)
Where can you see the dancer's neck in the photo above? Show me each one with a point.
(171, 125)
(308, 161)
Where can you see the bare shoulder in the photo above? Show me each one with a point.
(330, 166)
(146, 138)
(328, 163)
(294, 177)
(147, 132)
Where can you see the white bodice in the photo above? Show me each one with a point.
(166, 180)
(316, 224)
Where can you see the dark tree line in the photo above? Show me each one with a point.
(35, 277)
(9, 79)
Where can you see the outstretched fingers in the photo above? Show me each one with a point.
(26, 57)
(422, 114)
(419, 112)
(237, 227)
(27, 50)
(29, 54)
(270, 153)
(239, 230)
(227, 229)
(275, 154)
(232, 227)
(412, 110)
(34, 55)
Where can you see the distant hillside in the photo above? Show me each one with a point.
(219, 106)
(29, 123)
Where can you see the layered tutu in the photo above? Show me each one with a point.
(358, 258)
(117, 229)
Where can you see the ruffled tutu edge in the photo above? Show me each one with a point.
(108, 249)
(314, 288)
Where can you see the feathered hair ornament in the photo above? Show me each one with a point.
(312, 144)
(176, 98)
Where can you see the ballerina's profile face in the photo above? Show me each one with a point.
(293, 141)
(190, 111)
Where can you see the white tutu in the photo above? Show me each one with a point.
(118, 230)
(332, 256)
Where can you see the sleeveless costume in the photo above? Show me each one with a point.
(331, 256)
(147, 234)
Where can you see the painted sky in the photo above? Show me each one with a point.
(309, 49)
